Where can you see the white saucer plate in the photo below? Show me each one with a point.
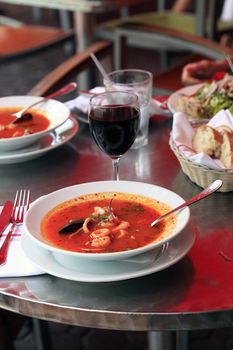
(81, 116)
(108, 271)
(46, 143)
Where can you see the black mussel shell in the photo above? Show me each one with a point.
(24, 118)
(72, 226)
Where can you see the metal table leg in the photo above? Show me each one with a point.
(164, 341)
(160, 341)
(42, 336)
(84, 29)
(182, 340)
(66, 25)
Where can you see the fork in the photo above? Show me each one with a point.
(20, 207)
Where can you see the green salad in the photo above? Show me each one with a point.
(209, 99)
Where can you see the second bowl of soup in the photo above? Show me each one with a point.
(46, 116)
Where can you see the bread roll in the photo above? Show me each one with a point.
(223, 129)
(226, 156)
(208, 140)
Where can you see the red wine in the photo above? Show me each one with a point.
(114, 129)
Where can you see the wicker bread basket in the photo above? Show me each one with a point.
(202, 175)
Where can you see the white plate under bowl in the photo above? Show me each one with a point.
(98, 271)
(55, 111)
(45, 144)
(41, 206)
(173, 98)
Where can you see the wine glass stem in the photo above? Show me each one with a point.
(115, 163)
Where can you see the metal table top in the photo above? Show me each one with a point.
(195, 293)
(77, 5)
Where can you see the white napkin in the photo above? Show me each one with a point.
(183, 132)
(81, 103)
(17, 263)
(154, 108)
(227, 11)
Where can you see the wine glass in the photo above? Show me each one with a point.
(114, 118)
(140, 82)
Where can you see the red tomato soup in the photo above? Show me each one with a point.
(39, 122)
(110, 222)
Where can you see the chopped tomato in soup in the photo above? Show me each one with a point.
(39, 122)
(125, 226)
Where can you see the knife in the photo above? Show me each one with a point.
(5, 216)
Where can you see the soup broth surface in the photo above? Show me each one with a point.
(126, 226)
(39, 122)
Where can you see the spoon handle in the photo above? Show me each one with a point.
(64, 90)
(205, 193)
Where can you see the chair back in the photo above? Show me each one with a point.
(169, 37)
(72, 67)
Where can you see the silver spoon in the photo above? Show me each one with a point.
(205, 193)
(229, 61)
(22, 116)
(101, 68)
